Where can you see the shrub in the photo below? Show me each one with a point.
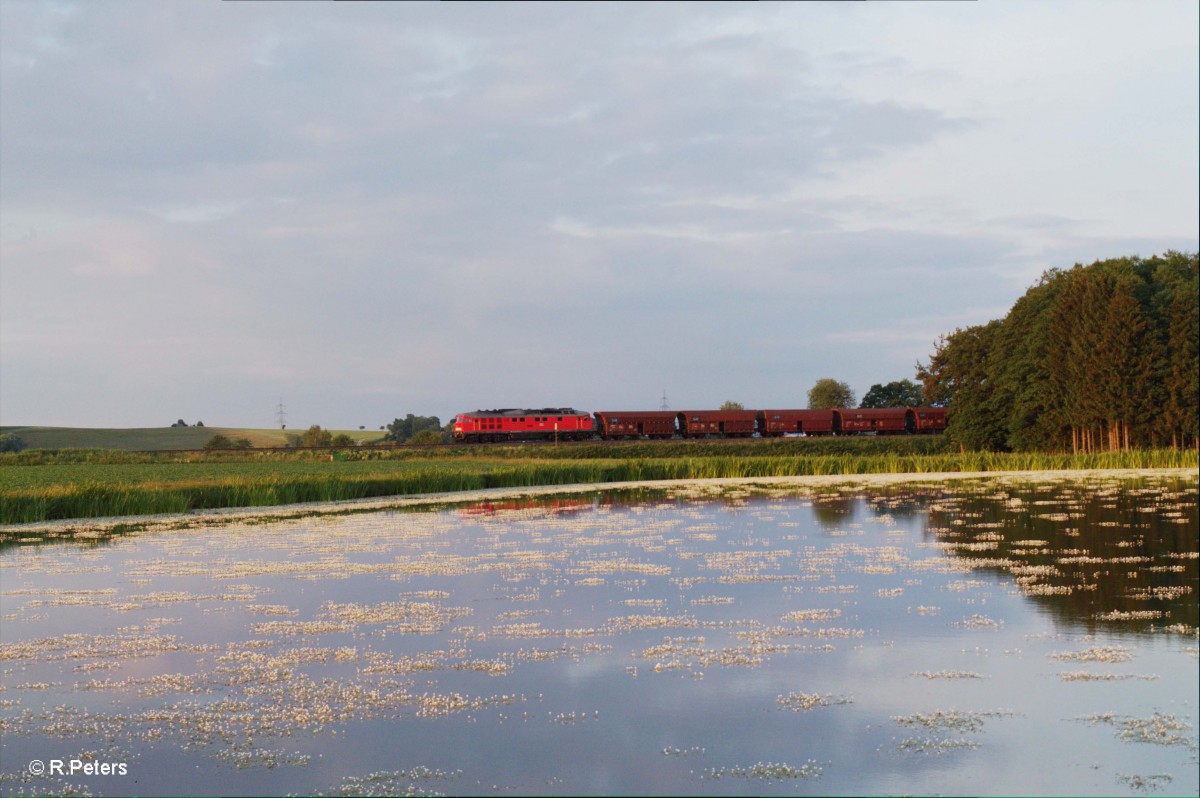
(315, 436)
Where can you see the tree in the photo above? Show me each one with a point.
(731, 405)
(402, 430)
(958, 377)
(341, 439)
(219, 442)
(828, 394)
(1034, 412)
(180, 423)
(10, 442)
(315, 436)
(900, 393)
(1179, 308)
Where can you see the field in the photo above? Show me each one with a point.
(157, 438)
(41, 486)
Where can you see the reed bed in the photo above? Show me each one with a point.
(89, 490)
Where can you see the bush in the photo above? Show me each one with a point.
(315, 436)
(219, 442)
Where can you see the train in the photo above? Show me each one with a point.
(568, 424)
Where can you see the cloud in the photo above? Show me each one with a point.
(349, 202)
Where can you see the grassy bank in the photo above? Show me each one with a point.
(49, 491)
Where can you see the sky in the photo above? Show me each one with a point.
(365, 210)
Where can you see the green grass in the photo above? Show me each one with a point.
(62, 489)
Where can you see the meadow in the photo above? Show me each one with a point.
(41, 485)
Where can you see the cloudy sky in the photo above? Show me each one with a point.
(372, 209)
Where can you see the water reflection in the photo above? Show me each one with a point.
(1118, 557)
(834, 510)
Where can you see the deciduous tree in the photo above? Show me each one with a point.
(899, 393)
(828, 393)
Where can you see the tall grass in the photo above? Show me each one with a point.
(85, 497)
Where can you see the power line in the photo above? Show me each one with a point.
(281, 415)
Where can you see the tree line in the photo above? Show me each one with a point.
(1098, 357)
(410, 429)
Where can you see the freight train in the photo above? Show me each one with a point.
(565, 423)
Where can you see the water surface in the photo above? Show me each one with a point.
(989, 637)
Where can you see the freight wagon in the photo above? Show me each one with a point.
(611, 425)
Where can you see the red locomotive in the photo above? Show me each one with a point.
(547, 423)
(564, 423)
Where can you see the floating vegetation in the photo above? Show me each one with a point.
(1145, 784)
(978, 621)
(948, 674)
(695, 750)
(768, 771)
(802, 702)
(940, 723)
(811, 615)
(1087, 676)
(950, 720)
(1158, 729)
(264, 758)
(396, 782)
(1129, 615)
(1110, 654)
(935, 745)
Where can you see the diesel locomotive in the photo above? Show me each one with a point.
(568, 424)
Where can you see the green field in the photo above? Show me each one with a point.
(158, 438)
(41, 486)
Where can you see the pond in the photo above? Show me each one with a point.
(988, 636)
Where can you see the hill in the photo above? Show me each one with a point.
(157, 438)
